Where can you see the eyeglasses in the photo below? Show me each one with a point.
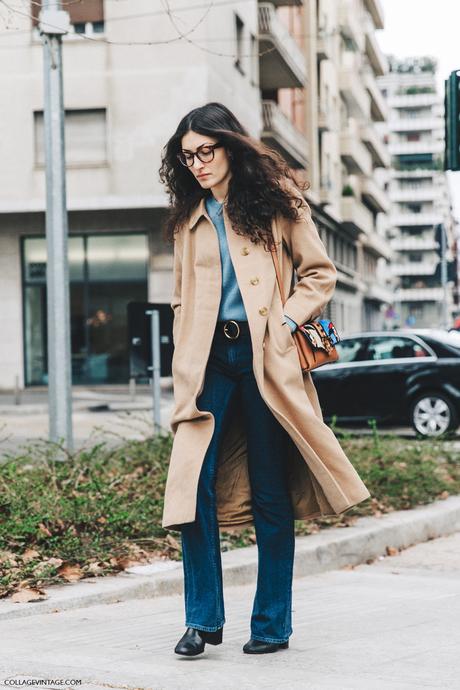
(204, 153)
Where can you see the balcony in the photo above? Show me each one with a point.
(414, 173)
(349, 23)
(377, 59)
(399, 148)
(326, 192)
(287, 3)
(415, 124)
(281, 134)
(379, 109)
(413, 100)
(325, 118)
(351, 85)
(324, 45)
(284, 65)
(353, 152)
(355, 216)
(411, 219)
(414, 268)
(415, 244)
(374, 195)
(428, 193)
(433, 294)
(377, 244)
(375, 10)
(376, 147)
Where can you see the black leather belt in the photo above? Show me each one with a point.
(232, 329)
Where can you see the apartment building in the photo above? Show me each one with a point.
(419, 192)
(348, 154)
(300, 75)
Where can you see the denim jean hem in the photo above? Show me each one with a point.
(206, 628)
(270, 639)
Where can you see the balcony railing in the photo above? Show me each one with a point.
(414, 268)
(414, 124)
(353, 152)
(399, 148)
(379, 108)
(375, 10)
(406, 219)
(413, 244)
(283, 65)
(376, 58)
(428, 193)
(355, 215)
(351, 85)
(375, 195)
(433, 294)
(282, 134)
(378, 150)
(410, 100)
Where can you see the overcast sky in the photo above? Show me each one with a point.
(425, 27)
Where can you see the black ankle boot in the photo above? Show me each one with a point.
(260, 647)
(193, 641)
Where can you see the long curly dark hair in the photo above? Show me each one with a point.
(257, 189)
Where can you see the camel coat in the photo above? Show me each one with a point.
(321, 478)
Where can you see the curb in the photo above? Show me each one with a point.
(331, 549)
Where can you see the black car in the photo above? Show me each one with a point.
(395, 377)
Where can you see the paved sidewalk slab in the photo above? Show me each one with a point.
(392, 625)
(329, 549)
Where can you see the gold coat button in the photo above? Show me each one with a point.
(254, 281)
(263, 311)
(245, 251)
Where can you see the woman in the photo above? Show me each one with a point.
(250, 446)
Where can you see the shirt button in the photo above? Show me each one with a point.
(254, 281)
(245, 251)
(263, 311)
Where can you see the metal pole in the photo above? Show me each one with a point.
(54, 23)
(155, 368)
(444, 277)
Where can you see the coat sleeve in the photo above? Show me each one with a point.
(316, 273)
(177, 282)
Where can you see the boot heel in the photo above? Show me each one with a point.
(212, 637)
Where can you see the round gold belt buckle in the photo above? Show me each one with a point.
(232, 337)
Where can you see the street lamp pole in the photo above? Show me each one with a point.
(53, 24)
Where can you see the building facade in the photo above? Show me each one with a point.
(419, 194)
(299, 75)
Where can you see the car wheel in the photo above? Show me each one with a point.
(433, 414)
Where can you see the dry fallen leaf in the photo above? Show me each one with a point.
(28, 594)
(392, 551)
(173, 542)
(71, 573)
(444, 495)
(44, 530)
(30, 555)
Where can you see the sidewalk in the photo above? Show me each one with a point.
(391, 625)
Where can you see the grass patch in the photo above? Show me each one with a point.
(99, 511)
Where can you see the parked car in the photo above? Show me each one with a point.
(396, 377)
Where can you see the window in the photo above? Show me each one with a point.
(352, 350)
(86, 16)
(239, 30)
(395, 348)
(85, 137)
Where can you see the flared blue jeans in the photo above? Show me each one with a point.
(229, 380)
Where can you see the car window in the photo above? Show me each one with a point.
(392, 347)
(352, 350)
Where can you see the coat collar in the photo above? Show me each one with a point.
(199, 211)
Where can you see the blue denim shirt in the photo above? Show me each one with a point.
(231, 302)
